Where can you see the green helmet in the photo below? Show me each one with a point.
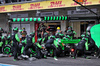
(15, 29)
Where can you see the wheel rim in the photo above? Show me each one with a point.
(7, 50)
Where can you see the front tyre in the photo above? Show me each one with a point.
(6, 49)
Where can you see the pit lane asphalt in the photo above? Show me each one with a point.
(62, 61)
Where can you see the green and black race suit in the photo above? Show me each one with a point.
(16, 41)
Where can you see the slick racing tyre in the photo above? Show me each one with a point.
(7, 49)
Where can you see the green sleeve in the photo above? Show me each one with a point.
(86, 46)
(17, 38)
(2, 37)
(1, 44)
(22, 49)
(39, 45)
(55, 43)
(25, 41)
(48, 37)
(33, 40)
(6, 42)
(43, 40)
(8, 36)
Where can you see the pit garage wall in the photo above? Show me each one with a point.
(3, 22)
(5, 25)
(63, 26)
(32, 26)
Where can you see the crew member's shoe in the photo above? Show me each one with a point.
(55, 58)
(25, 56)
(45, 56)
(74, 57)
(15, 59)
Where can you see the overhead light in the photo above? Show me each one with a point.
(25, 19)
(48, 18)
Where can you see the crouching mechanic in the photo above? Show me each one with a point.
(81, 47)
(40, 48)
(16, 41)
(50, 45)
(30, 44)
